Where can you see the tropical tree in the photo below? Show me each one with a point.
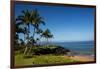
(47, 34)
(18, 30)
(36, 20)
(24, 19)
(23, 23)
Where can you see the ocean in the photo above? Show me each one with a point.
(78, 48)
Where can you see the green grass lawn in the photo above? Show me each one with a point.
(43, 59)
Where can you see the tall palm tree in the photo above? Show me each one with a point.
(36, 20)
(31, 18)
(24, 19)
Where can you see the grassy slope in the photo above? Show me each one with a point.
(43, 59)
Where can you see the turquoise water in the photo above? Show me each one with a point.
(82, 48)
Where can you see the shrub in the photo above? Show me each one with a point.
(50, 49)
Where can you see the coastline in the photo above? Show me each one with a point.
(81, 58)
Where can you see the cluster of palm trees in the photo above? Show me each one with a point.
(22, 25)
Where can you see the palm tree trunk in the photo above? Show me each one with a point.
(25, 44)
(25, 50)
(28, 32)
(30, 49)
(25, 32)
(34, 33)
(28, 39)
(33, 43)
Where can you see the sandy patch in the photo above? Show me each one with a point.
(81, 58)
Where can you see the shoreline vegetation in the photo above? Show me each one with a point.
(29, 52)
(50, 59)
(49, 54)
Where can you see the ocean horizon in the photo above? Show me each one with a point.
(77, 47)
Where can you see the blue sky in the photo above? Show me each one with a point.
(65, 23)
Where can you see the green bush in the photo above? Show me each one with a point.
(50, 49)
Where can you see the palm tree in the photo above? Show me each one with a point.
(17, 31)
(47, 34)
(24, 19)
(36, 20)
